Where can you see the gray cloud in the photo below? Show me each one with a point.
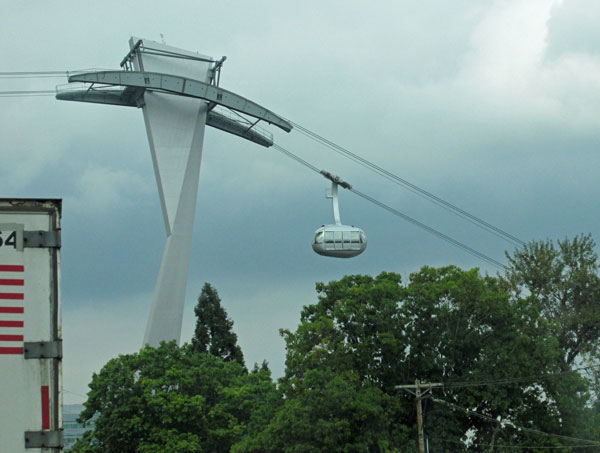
(491, 105)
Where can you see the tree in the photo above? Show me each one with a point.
(194, 398)
(328, 404)
(214, 330)
(563, 282)
(174, 399)
(467, 331)
(366, 335)
(330, 411)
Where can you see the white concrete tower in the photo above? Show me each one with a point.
(175, 128)
(178, 93)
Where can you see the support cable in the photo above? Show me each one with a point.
(296, 158)
(27, 93)
(433, 231)
(410, 186)
(32, 74)
(379, 170)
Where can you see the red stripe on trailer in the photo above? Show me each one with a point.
(12, 296)
(12, 310)
(11, 337)
(11, 323)
(12, 281)
(45, 407)
(11, 268)
(11, 350)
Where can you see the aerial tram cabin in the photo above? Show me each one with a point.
(340, 241)
(337, 240)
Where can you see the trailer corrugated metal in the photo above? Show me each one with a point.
(30, 326)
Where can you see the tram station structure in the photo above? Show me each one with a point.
(179, 94)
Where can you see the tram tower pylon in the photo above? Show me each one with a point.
(179, 94)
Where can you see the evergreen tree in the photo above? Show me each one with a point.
(214, 330)
(195, 398)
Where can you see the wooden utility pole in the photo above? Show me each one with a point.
(420, 396)
(419, 416)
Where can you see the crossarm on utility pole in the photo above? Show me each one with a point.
(419, 397)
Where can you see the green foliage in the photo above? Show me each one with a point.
(331, 412)
(173, 399)
(367, 335)
(214, 330)
(563, 281)
(464, 328)
(340, 363)
(364, 337)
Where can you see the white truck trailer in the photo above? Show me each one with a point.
(30, 326)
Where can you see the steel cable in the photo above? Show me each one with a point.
(412, 187)
(433, 231)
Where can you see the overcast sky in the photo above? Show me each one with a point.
(491, 105)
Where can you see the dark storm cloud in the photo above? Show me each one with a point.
(491, 105)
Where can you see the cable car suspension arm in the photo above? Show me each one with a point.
(396, 212)
(335, 181)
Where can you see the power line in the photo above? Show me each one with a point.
(513, 447)
(74, 393)
(410, 186)
(433, 231)
(450, 385)
(512, 425)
